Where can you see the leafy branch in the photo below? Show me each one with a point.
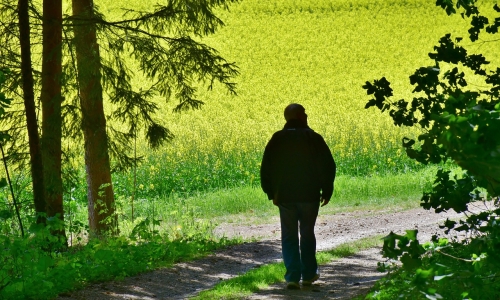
(460, 125)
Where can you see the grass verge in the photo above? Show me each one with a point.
(399, 191)
(350, 193)
(266, 275)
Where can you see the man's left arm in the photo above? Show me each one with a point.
(328, 171)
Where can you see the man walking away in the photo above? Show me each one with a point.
(297, 174)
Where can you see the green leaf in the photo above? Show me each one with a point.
(44, 263)
(103, 255)
(424, 273)
(48, 284)
(409, 262)
(5, 214)
(423, 276)
(412, 234)
(448, 136)
(17, 286)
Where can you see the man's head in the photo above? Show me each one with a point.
(296, 111)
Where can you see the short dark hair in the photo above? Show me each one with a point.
(294, 111)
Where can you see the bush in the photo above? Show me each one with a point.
(458, 106)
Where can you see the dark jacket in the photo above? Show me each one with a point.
(297, 165)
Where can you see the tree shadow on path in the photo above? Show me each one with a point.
(186, 279)
(340, 279)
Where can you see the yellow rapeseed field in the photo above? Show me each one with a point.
(315, 52)
(318, 53)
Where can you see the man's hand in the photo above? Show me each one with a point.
(275, 201)
(323, 202)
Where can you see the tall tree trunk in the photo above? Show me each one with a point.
(51, 109)
(99, 188)
(29, 104)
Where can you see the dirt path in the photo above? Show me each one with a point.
(339, 280)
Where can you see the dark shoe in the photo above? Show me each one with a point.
(292, 285)
(310, 281)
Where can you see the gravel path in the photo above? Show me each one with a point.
(341, 279)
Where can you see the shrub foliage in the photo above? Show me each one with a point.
(457, 105)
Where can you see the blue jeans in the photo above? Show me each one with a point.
(300, 259)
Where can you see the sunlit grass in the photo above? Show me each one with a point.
(248, 202)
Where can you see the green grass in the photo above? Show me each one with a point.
(266, 275)
(237, 204)
(195, 171)
(241, 204)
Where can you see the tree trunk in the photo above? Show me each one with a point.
(51, 109)
(29, 104)
(99, 188)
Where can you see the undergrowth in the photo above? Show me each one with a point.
(448, 270)
(29, 269)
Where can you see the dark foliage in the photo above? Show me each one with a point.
(460, 124)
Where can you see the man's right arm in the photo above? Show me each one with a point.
(266, 170)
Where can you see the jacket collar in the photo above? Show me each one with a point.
(295, 124)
